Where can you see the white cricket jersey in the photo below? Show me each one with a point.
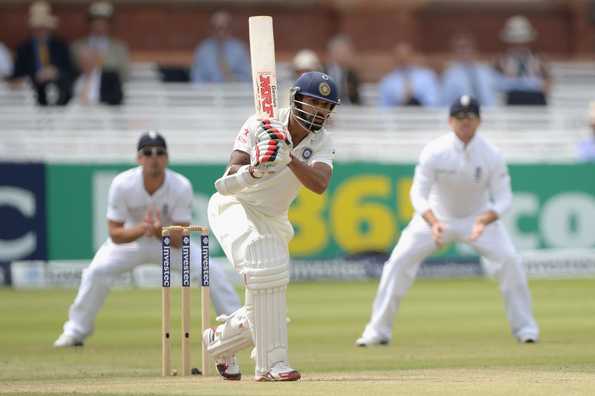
(128, 200)
(273, 195)
(457, 181)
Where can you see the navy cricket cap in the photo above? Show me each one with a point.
(465, 104)
(317, 85)
(151, 138)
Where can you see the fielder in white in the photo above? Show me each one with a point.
(140, 201)
(460, 189)
(270, 161)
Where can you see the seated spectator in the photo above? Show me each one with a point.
(5, 62)
(96, 85)
(340, 68)
(465, 75)
(221, 57)
(44, 59)
(409, 84)
(113, 51)
(304, 61)
(523, 75)
(586, 147)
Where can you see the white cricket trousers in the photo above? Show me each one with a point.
(257, 246)
(111, 260)
(416, 244)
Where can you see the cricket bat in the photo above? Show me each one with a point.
(264, 75)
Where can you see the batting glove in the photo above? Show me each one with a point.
(273, 129)
(269, 156)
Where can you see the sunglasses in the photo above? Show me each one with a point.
(153, 151)
(462, 116)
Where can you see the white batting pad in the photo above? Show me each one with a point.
(231, 336)
(266, 276)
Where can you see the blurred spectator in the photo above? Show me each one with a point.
(586, 147)
(45, 59)
(524, 76)
(113, 51)
(95, 84)
(221, 58)
(409, 84)
(305, 61)
(5, 62)
(465, 75)
(340, 68)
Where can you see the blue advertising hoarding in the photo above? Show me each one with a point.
(22, 212)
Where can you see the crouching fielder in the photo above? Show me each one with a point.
(460, 189)
(270, 161)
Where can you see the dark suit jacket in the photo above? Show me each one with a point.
(26, 66)
(110, 88)
(352, 82)
(349, 87)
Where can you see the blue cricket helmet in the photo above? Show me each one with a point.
(317, 85)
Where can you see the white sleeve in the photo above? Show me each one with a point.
(422, 182)
(116, 203)
(182, 211)
(499, 186)
(326, 152)
(246, 138)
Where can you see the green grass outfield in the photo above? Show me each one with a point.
(451, 338)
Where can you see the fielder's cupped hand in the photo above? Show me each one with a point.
(437, 233)
(152, 222)
(477, 230)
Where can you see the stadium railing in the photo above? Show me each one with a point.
(193, 116)
(75, 134)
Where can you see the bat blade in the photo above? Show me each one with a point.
(264, 75)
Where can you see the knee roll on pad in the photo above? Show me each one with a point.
(262, 279)
(267, 264)
(266, 251)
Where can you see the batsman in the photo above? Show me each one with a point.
(270, 161)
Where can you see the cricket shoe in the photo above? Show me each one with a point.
(228, 367)
(528, 339)
(370, 341)
(67, 341)
(279, 372)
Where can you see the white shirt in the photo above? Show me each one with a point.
(5, 62)
(128, 200)
(100, 43)
(457, 181)
(273, 195)
(94, 79)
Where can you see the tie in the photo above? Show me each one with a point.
(407, 88)
(222, 61)
(86, 90)
(43, 52)
(471, 72)
(409, 98)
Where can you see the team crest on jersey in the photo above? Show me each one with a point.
(307, 153)
(243, 136)
(324, 89)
